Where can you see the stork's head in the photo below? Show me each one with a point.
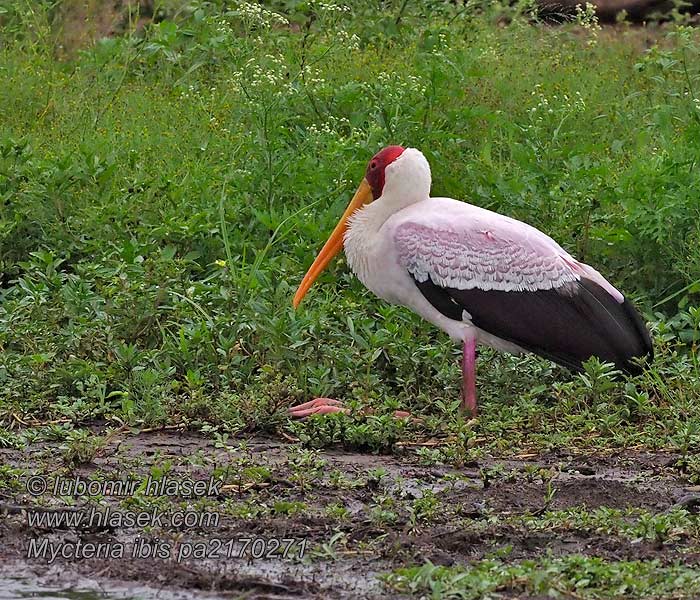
(396, 176)
(399, 172)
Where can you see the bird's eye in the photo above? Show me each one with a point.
(373, 165)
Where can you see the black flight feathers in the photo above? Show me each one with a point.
(567, 327)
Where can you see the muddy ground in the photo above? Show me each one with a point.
(359, 513)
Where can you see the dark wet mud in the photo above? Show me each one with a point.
(295, 523)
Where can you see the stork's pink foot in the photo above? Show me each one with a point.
(326, 406)
(319, 406)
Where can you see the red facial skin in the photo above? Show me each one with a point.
(376, 167)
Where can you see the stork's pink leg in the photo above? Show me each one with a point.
(469, 376)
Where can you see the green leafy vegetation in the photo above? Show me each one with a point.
(162, 192)
(572, 576)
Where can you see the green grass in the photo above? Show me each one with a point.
(163, 192)
(573, 576)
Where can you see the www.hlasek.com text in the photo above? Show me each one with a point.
(106, 518)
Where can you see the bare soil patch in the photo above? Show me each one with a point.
(378, 531)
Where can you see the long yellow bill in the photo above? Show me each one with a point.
(362, 196)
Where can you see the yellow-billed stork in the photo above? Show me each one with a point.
(479, 276)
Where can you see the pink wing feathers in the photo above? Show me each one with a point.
(489, 254)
